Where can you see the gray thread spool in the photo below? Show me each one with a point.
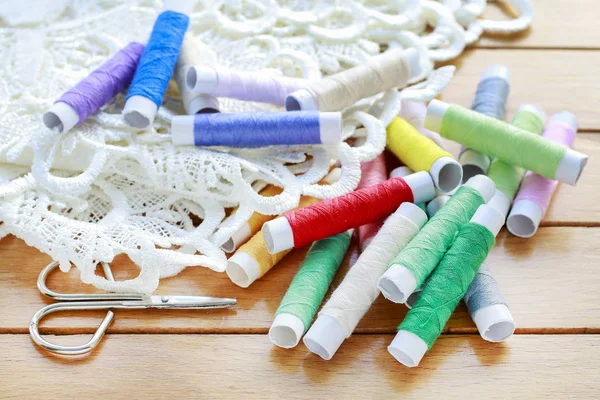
(495, 322)
(490, 99)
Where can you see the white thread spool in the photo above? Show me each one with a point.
(61, 117)
(339, 317)
(194, 52)
(279, 235)
(139, 112)
(569, 170)
(401, 172)
(238, 238)
(525, 216)
(399, 282)
(407, 348)
(329, 94)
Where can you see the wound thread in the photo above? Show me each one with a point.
(102, 84)
(508, 177)
(357, 292)
(425, 251)
(501, 140)
(258, 129)
(158, 59)
(372, 173)
(448, 283)
(351, 210)
(194, 52)
(539, 189)
(261, 87)
(311, 282)
(380, 73)
(483, 291)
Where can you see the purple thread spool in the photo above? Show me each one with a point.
(85, 98)
(257, 129)
(249, 86)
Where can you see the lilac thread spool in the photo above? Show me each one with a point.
(250, 86)
(85, 98)
(257, 129)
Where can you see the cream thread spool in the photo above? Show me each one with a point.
(383, 72)
(569, 167)
(399, 282)
(194, 52)
(353, 297)
(474, 162)
(408, 348)
(526, 215)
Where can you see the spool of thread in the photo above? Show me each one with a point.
(85, 98)
(357, 292)
(372, 173)
(485, 303)
(380, 73)
(261, 87)
(508, 177)
(252, 260)
(421, 154)
(490, 99)
(156, 64)
(506, 142)
(447, 285)
(307, 290)
(257, 129)
(253, 225)
(194, 52)
(329, 217)
(409, 269)
(534, 196)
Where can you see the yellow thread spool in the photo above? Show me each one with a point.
(420, 153)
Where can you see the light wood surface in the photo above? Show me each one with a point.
(242, 366)
(551, 282)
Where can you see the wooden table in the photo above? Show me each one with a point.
(551, 282)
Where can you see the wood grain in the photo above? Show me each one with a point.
(553, 80)
(550, 282)
(556, 24)
(240, 366)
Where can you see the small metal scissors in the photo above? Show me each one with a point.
(70, 302)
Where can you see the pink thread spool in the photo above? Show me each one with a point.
(534, 196)
(373, 172)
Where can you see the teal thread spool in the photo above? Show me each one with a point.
(447, 285)
(307, 290)
(508, 177)
(412, 266)
(506, 142)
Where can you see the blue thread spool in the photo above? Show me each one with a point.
(156, 64)
(257, 129)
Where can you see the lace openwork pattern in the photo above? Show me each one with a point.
(102, 189)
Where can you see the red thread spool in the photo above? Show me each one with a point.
(373, 172)
(329, 217)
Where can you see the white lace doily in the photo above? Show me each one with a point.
(101, 189)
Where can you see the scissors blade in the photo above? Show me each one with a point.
(192, 302)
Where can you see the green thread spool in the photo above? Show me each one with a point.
(446, 287)
(508, 177)
(506, 142)
(307, 290)
(409, 269)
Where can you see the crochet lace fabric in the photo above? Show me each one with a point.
(102, 189)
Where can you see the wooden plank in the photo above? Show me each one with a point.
(554, 80)
(550, 282)
(556, 24)
(240, 366)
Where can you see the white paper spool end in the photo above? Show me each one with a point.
(524, 218)
(407, 348)
(278, 235)
(473, 163)
(447, 173)
(61, 117)
(301, 100)
(203, 104)
(325, 337)
(567, 118)
(397, 283)
(414, 213)
(489, 217)
(494, 323)
(401, 172)
(435, 115)
(286, 331)
(484, 185)
(331, 127)
(571, 166)
(434, 205)
(242, 269)
(500, 202)
(139, 112)
(421, 185)
(237, 239)
(182, 130)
